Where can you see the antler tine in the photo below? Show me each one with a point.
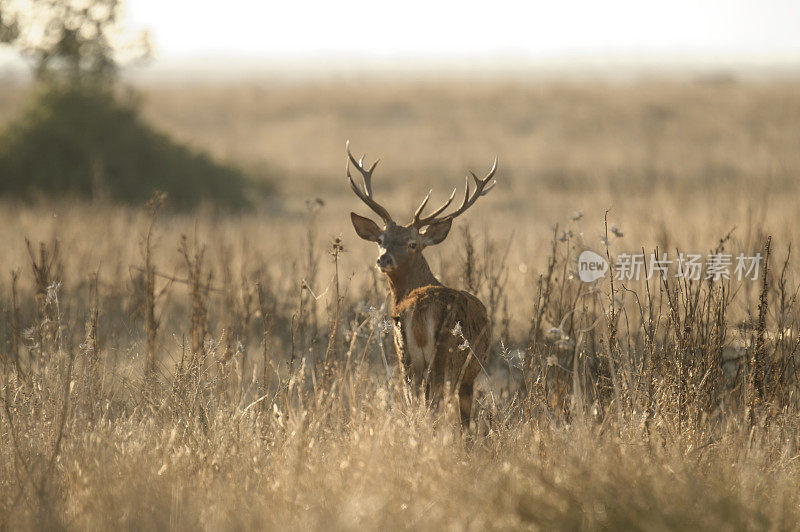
(444, 205)
(366, 195)
(359, 164)
(420, 222)
(481, 189)
(466, 193)
(422, 205)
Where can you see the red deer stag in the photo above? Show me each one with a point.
(440, 334)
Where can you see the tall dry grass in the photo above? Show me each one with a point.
(220, 371)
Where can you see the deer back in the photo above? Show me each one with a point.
(440, 324)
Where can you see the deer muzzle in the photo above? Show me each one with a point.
(385, 261)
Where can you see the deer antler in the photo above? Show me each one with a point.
(366, 195)
(480, 190)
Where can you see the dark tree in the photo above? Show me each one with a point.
(79, 136)
(76, 41)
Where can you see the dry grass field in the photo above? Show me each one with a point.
(212, 370)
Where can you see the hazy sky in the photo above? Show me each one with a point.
(418, 28)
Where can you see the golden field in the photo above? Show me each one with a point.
(180, 382)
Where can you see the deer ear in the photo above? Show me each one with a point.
(437, 232)
(366, 228)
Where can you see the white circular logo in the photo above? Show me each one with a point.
(591, 266)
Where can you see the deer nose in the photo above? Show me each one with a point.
(384, 260)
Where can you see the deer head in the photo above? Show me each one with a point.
(400, 245)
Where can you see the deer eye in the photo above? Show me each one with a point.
(412, 245)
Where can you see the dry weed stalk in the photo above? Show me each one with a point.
(151, 323)
(758, 363)
(332, 351)
(46, 275)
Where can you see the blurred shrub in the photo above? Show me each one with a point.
(81, 140)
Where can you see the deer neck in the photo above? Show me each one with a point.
(409, 277)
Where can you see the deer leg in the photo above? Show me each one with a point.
(435, 377)
(400, 348)
(465, 403)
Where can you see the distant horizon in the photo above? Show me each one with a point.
(314, 66)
